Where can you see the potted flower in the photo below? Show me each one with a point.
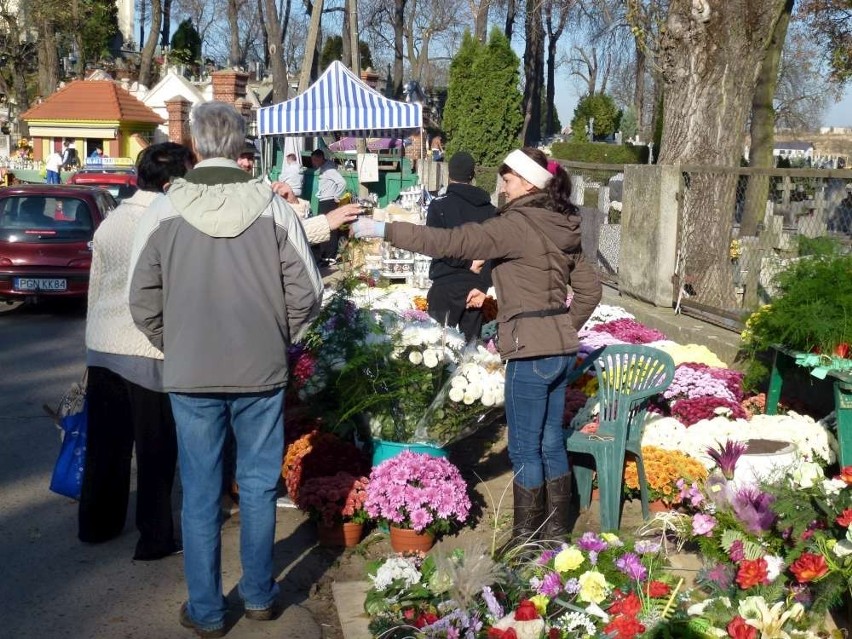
(336, 503)
(314, 454)
(663, 470)
(418, 496)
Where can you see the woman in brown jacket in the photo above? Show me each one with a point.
(534, 242)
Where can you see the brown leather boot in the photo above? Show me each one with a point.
(529, 512)
(558, 504)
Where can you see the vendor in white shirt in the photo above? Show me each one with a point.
(291, 174)
(330, 188)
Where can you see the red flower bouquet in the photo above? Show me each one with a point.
(333, 500)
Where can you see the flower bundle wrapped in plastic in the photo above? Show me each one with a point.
(472, 394)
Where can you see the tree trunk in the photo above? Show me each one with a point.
(143, 18)
(639, 84)
(234, 57)
(147, 57)
(551, 85)
(167, 22)
(511, 7)
(711, 54)
(48, 58)
(480, 19)
(533, 72)
(346, 46)
(277, 68)
(763, 127)
(398, 43)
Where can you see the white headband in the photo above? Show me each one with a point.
(527, 168)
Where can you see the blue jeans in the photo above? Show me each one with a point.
(258, 425)
(535, 402)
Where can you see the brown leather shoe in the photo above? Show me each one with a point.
(272, 611)
(187, 622)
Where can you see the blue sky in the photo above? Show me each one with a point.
(839, 114)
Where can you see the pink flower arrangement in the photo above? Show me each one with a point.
(699, 380)
(630, 331)
(692, 410)
(418, 492)
(334, 499)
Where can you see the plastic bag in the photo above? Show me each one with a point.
(470, 399)
(67, 476)
(72, 420)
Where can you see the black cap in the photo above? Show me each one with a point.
(461, 167)
(248, 148)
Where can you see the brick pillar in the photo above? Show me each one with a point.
(418, 142)
(229, 85)
(178, 109)
(370, 77)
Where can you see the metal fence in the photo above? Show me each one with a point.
(770, 217)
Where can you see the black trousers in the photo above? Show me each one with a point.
(447, 306)
(327, 250)
(121, 413)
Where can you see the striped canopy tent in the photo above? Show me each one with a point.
(338, 102)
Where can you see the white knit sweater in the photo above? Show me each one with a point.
(109, 327)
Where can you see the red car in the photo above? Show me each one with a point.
(46, 239)
(119, 181)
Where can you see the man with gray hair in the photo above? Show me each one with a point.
(222, 282)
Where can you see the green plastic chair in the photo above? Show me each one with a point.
(628, 377)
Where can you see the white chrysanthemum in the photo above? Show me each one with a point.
(430, 358)
(487, 399)
(395, 568)
(459, 381)
(833, 486)
(456, 394)
(415, 357)
(474, 390)
(468, 397)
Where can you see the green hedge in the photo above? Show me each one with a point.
(486, 178)
(600, 153)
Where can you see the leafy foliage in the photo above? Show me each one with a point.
(600, 153)
(186, 43)
(332, 50)
(483, 111)
(813, 310)
(98, 26)
(603, 109)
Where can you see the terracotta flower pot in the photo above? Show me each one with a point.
(658, 506)
(347, 534)
(403, 540)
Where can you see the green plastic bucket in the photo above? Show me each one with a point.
(384, 450)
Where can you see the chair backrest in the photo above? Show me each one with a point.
(628, 376)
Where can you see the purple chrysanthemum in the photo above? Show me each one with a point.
(590, 541)
(754, 508)
(631, 566)
(494, 607)
(736, 552)
(647, 546)
(551, 585)
(572, 586)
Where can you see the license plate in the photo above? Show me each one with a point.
(40, 284)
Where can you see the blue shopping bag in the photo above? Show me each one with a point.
(67, 476)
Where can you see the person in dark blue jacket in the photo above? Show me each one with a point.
(454, 281)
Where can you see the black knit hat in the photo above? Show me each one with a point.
(461, 167)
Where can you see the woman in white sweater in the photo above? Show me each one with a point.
(126, 404)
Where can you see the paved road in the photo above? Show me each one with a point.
(51, 585)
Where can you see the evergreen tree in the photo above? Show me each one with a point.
(98, 24)
(484, 100)
(602, 108)
(332, 50)
(459, 97)
(186, 43)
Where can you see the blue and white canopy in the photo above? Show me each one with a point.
(338, 102)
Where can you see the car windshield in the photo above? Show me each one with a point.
(119, 191)
(38, 218)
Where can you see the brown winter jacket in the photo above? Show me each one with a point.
(536, 254)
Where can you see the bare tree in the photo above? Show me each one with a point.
(556, 14)
(234, 58)
(17, 51)
(533, 73)
(762, 127)
(711, 54)
(147, 57)
(167, 22)
(479, 11)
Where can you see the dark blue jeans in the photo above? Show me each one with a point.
(258, 426)
(535, 402)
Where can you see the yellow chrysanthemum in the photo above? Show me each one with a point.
(569, 559)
